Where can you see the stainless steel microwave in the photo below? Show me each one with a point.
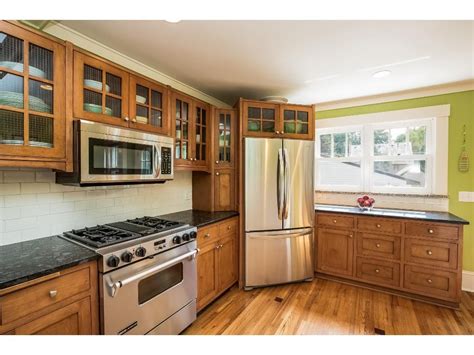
(105, 155)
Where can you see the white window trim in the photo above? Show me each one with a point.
(436, 184)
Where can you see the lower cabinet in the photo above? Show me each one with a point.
(217, 261)
(335, 251)
(64, 303)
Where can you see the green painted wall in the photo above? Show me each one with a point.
(462, 113)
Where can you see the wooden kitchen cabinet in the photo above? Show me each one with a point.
(217, 261)
(32, 98)
(417, 259)
(65, 302)
(275, 120)
(225, 128)
(101, 90)
(224, 190)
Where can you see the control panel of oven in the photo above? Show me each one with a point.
(166, 160)
(148, 248)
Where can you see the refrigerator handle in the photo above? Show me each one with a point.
(286, 197)
(280, 185)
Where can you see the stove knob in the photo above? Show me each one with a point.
(186, 237)
(140, 252)
(127, 257)
(193, 235)
(113, 261)
(177, 240)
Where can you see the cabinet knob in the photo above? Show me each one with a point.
(126, 119)
(229, 227)
(334, 221)
(217, 174)
(351, 235)
(217, 161)
(53, 293)
(429, 281)
(134, 120)
(377, 271)
(429, 252)
(378, 225)
(377, 245)
(207, 235)
(431, 231)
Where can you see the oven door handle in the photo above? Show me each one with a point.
(114, 286)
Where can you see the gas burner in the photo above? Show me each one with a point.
(154, 222)
(101, 235)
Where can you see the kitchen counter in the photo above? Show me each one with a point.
(199, 218)
(28, 260)
(443, 217)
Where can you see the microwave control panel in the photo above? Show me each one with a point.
(166, 160)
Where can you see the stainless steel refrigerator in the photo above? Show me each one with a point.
(279, 211)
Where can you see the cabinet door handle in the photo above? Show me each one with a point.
(431, 231)
(53, 293)
(217, 174)
(429, 252)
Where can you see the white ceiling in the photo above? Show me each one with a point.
(305, 61)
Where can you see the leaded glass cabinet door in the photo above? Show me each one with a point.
(202, 123)
(100, 91)
(225, 138)
(298, 121)
(32, 102)
(181, 112)
(148, 106)
(261, 119)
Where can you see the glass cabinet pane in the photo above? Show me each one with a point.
(254, 112)
(113, 106)
(41, 131)
(93, 102)
(156, 118)
(93, 78)
(115, 84)
(303, 116)
(142, 114)
(40, 96)
(156, 99)
(11, 52)
(11, 127)
(224, 132)
(41, 62)
(11, 90)
(295, 122)
(268, 114)
(142, 95)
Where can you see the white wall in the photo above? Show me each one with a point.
(32, 205)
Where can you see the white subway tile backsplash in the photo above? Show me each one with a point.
(32, 205)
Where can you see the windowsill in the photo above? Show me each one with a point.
(381, 194)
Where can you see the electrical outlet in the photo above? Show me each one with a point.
(466, 196)
(188, 195)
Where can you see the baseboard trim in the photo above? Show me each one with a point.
(468, 281)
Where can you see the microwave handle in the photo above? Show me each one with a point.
(157, 160)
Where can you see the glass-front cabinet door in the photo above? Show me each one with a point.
(148, 106)
(225, 137)
(100, 91)
(261, 119)
(297, 121)
(181, 112)
(201, 123)
(32, 85)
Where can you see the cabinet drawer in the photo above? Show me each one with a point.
(20, 303)
(384, 246)
(381, 225)
(207, 235)
(377, 271)
(431, 282)
(432, 230)
(335, 220)
(431, 253)
(228, 227)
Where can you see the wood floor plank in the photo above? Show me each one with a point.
(328, 307)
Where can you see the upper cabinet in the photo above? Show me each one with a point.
(225, 130)
(32, 98)
(100, 91)
(265, 119)
(191, 122)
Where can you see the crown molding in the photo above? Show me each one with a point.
(449, 88)
(65, 33)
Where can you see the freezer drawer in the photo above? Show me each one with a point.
(278, 257)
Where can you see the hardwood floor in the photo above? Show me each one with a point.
(328, 307)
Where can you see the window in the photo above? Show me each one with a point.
(386, 157)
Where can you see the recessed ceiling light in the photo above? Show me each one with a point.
(381, 74)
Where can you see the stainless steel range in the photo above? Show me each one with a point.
(147, 274)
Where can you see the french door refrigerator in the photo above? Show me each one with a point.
(279, 211)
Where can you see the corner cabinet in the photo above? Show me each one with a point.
(32, 99)
(190, 121)
(274, 120)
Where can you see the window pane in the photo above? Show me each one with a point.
(339, 173)
(391, 142)
(417, 138)
(355, 147)
(410, 173)
(339, 144)
(325, 145)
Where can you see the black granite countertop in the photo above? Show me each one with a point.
(28, 260)
(199, 218)
(443, 217)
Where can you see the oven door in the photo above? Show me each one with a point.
(107, 157)
(139, 297)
